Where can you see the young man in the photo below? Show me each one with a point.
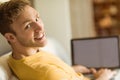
(22, 27)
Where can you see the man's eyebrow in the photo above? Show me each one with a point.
(37, 14)
(26, 21)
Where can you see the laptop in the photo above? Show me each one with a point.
(96, 52)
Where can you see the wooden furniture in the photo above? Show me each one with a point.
(107, 17)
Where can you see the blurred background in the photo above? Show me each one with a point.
(67, 19)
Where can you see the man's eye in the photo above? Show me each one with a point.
(28, 26)
(37, 19)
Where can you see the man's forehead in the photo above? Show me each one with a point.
(27, 11)
(26, 15)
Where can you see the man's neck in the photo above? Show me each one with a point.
(19, 54)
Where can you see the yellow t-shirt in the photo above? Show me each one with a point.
(42, 66)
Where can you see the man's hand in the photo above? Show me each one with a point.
(81, 69)
(103, 74)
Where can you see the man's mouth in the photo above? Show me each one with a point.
(39, 37)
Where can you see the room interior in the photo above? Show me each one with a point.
(76, 19)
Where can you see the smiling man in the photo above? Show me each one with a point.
(21, 25)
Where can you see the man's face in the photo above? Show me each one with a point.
(29, 29)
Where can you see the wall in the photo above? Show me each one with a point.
(56, 17)
(82, 18)
(66, 19)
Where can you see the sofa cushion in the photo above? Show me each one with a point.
(5, 72)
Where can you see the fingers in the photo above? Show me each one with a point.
(105, 74)
(81, 69)
(93, 70)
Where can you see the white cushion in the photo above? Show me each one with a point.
(53, 46)
(5, 72)
(4, 46)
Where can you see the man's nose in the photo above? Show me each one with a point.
(38, 27)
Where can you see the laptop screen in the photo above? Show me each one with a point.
(96, 52)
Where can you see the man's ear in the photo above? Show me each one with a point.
(10, 37)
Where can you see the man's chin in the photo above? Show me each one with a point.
(44, 43)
